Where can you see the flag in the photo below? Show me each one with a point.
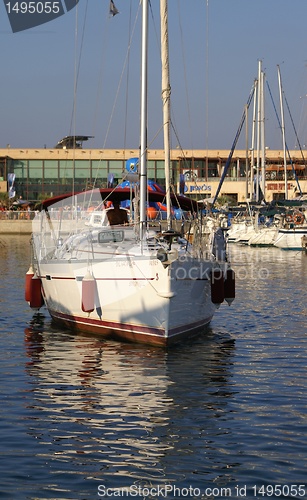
(110, 180)
(11, 184)
(113, 9)
(181, 184)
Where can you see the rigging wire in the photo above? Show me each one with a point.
(287, 149)
(126, 64)
(104, 44)
(185, 78)
(207, 87)
(228, 162)
(77, 66)
(72, 127)
(295, 132)
(120, 81)
(127, 80)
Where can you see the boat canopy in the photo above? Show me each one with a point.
(290, 203)
(121, 194)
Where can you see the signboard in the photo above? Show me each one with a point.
(197, 187)
(277, 186)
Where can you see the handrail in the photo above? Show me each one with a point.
(17, 214)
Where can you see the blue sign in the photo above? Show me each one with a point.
(132, 165)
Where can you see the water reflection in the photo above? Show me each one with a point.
(133, 414)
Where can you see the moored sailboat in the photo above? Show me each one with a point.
(133, 280)
(289, 237)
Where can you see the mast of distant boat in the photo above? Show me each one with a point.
(143, 135)
(252, 161)
(258, 131)
(283, 130)
(166, 92)
(260, 172)
(263, 149)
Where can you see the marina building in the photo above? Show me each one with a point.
(34, 174)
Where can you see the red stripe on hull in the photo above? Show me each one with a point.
(130, 333)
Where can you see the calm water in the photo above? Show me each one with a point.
(221, 416)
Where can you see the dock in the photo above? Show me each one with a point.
(16, 222)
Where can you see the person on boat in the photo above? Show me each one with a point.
(117, 215)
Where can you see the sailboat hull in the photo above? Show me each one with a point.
(143, 301)
(128, 332)
(291, 239)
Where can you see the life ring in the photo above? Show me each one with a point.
(298, 219)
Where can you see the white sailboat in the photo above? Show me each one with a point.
(292, 234)
(131, 281)
(264, 237)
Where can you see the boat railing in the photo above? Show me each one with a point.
(17, 214)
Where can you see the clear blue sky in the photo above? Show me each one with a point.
(215, 46)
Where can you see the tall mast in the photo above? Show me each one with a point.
(258, 131)
(246, 153)
(262, 135)
(256, 87)
(143, 138)
(166, 92)
(283, 130)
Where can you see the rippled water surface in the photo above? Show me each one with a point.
(216, 417)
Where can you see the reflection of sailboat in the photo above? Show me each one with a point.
(124, 410)
(131, 281)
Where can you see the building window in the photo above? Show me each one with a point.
(36, 169)
(51, 170)
(99, 170)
